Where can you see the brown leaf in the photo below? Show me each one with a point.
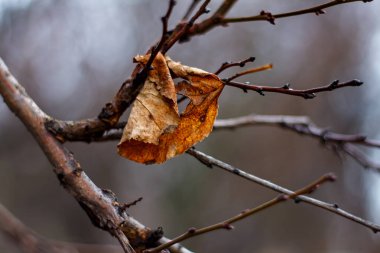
(155, 132)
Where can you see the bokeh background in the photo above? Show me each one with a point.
(73, 55)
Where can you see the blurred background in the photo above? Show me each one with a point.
(73, 55)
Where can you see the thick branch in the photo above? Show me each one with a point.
(211, 161)
(100, 205)
(112, 111)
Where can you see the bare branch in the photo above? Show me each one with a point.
(100, 205)
(227, 224)
(220, 19)
(26, 239)
(260, 120)
(249, 71)
(306, 94)
(267, 16)
(93, 129)
(303, 125)
(227, 65)
(211, 161)
(112, 111)
(183, 28)
(298, 124)
(213, 21)
(165, 20)
(190, 9)
(30, 242)
(359, 156)
(109, 116)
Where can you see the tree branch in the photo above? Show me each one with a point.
(26, 239)
(93, 129)
(227, 65)
(100, 205)
(249, 71)
(211, 161)
(227, 224)
(267, 16)
(306, 94)
(298, 124)
(219, 19)
(30, 242)
(303, 125)
(213, 21)
(359, 156)
(190, 9)
(110, 114)
(182, 28)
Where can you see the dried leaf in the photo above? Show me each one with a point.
(155, 132)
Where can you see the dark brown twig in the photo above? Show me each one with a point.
(190, 9)
(183, 28)
(227, 65)
(306, 94)
(164, 36)
(125, 206)
(211, 161)
(267, 16)
(220, 19)
(227, 224)
(213, 21)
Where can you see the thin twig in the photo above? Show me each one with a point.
(176, 248)
(227, 65)
(249, 71)
(211, 161)
(213, 21)
(221, 20)
(359, 156)
(267, 16)
(303, 125)
(183, 28)
(285, 89)
(125, 206)
(227, 224)
(190, 9)
(261, 120)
